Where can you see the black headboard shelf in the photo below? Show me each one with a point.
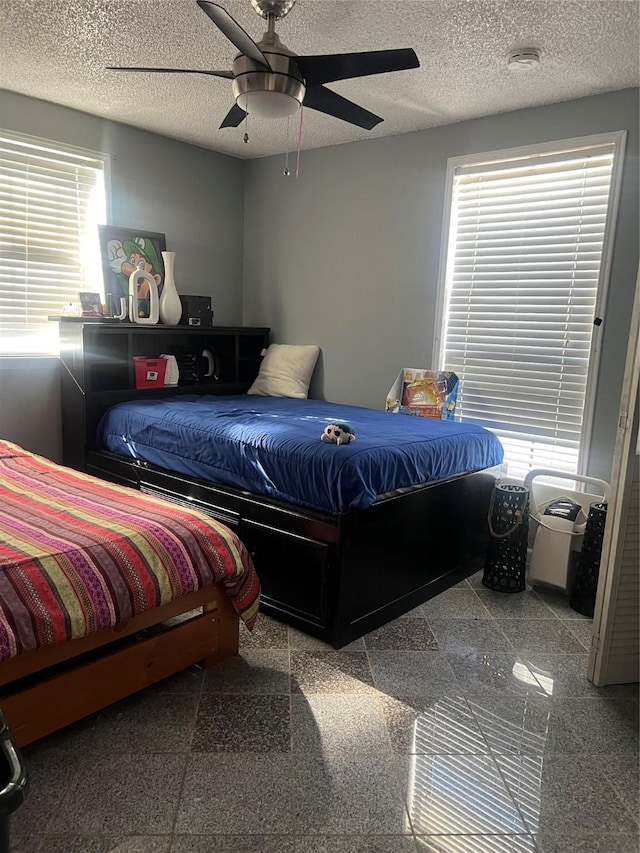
(97, 369)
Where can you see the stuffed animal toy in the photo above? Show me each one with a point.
(340, 433)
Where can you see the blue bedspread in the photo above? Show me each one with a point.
(272, 446)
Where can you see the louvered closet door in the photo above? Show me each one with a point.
(51, 200)
(620, 631)
(524, 266)
(624, 658)
(615, 655)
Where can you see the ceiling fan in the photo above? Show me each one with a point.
(270, 81)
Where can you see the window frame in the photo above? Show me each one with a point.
(57, 146)
(618, 140)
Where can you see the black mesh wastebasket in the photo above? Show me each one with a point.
(506, 561)
(13, 781)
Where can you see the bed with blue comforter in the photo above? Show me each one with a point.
(344, 537)
(271, 446)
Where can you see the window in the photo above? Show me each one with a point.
(52, 197)
(528, 239)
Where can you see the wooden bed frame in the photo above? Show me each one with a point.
(338, 577)
(49, 688)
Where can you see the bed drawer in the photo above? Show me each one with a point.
(226, 516)
(281, 560)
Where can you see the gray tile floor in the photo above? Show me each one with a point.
(467, 726)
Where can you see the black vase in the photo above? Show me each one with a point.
(583, 595)
(506, 561)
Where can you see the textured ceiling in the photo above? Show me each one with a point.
(58, 49)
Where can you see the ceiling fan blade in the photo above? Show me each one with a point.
(234, 117)
(228, 74)
(229, 27)
(341, 66)
(326, 101)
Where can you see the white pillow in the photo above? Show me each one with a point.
(286, 371)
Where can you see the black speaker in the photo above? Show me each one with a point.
(196, 311)
(188, 366)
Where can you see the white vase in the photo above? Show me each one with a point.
(170, 305)
(136, 313)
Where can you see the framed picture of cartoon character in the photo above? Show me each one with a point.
(125, 250)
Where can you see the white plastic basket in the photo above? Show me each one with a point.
(542, 494)
(550, 561)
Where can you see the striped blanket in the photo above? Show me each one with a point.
(78, 554)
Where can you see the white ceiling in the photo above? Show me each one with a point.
(58, 49)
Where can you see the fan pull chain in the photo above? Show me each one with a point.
(286, 171)
(246, 132)
(299, 141)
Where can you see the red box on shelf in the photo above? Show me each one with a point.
(149, 372)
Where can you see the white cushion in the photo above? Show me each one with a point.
(286, 371)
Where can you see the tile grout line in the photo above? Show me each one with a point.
(189, 753)
(525, 654)
(58, 805)
(290, 697)
(525, 823)
(521, 619)
(613, 783)
(540, 598)
(502, 633)
(393, 755)
(292, 809)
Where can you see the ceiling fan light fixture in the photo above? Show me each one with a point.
(275, 94)
(267, 104)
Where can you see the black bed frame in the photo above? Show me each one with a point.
(336, 577)
(339, 577)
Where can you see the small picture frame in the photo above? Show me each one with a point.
(91, 304)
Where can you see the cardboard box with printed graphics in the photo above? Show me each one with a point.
(424, 393)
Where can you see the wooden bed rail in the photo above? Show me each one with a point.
(49, 688)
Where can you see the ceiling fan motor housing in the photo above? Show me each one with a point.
(275, 8)
(268, 94)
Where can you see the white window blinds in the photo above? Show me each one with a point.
(52, 198)
(523, 267)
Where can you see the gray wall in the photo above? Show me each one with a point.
(346, 256)
(192, 195)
